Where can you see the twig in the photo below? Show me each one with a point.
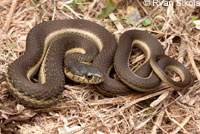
(72, 11)
(9, 18)
(160, 99)
(191, 57)
(115, 100)
(158, 122)
(4, 2)
(181, 125)
(143, 29)
(144, 98)
(69, 2)
(117, 23)
(3, 78)
(175, 121)
(139, 3)
(135, 98)
(91, 6)
(54, 10)
(82, 128)
(141, 20)
(153, 11)
(144, 122)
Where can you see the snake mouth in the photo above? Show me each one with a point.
(94, 78)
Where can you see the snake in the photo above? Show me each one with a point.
(155, 59)
(85, 52)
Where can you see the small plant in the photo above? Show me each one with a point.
(36, 1)
(76, 3)
(146, 22)
(194, 17)
(110, 7)
(12, 46)
(127, 19)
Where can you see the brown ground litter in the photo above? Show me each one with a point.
(83, 110)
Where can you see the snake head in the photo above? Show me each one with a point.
(83, 73)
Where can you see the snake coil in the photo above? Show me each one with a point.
(73, 44)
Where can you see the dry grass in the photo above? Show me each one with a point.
(83, 110)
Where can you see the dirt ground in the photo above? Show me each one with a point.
(82, 109)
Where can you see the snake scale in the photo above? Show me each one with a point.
(87, 51)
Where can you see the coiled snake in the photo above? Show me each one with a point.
(73, 44)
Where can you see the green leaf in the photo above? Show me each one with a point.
(81, 7)
(122, 17)
(78, 1)
(129, 21)
(146, 22)
(36, 1)
(64, 9)
(160, 27)
(193, 17)
(72, 6)
(117, 20)
(109, 9)
(12, 46)
(96, 15)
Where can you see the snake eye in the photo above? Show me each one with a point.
(89, 76)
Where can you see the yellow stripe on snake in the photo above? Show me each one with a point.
(59, 47)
